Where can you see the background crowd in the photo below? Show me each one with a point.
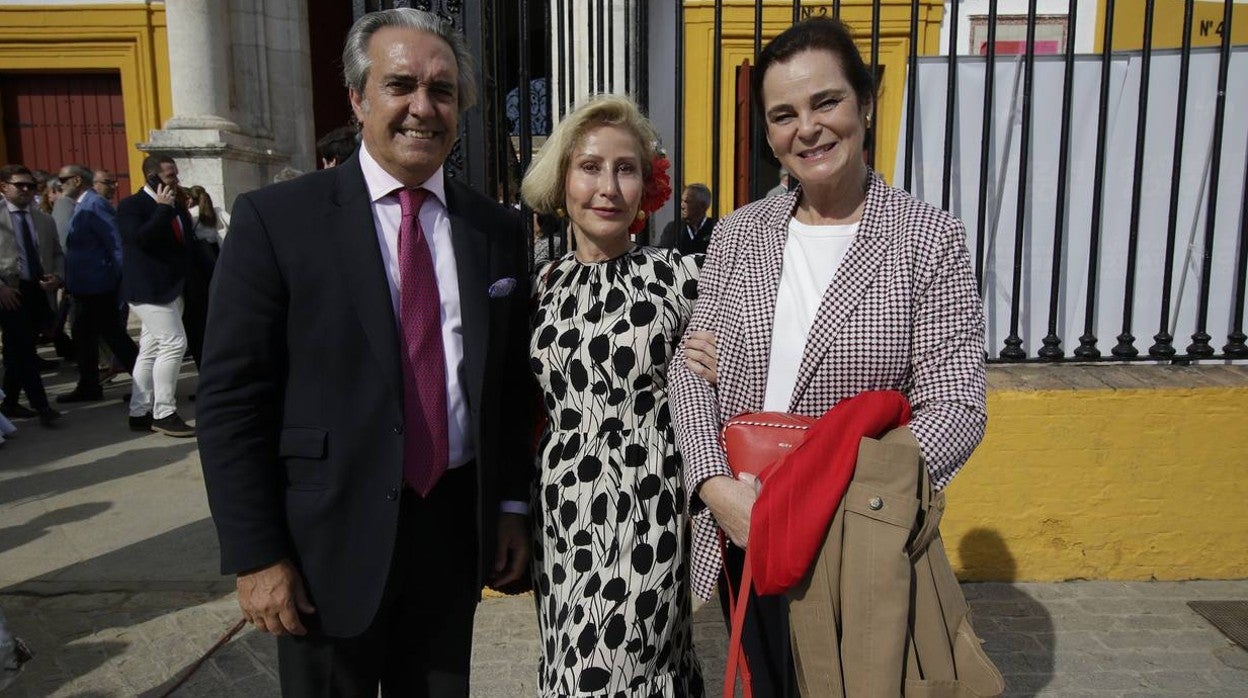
(74, 264)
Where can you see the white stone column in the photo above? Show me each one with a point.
(199, 64)
(242, 105)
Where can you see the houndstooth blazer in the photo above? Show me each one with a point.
(902, 313)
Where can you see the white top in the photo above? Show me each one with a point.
(812, 254)
(436, 223)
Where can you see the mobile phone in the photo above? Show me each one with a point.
(153, 181)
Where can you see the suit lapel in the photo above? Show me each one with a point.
(8, 244)
(350, 220)
(708, 226)
(472, 265)
(856, 273)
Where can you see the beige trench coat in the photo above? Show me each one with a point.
(898, 603)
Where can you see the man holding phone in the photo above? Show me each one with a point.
(155, 233)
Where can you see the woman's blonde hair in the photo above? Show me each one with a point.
(542, 188)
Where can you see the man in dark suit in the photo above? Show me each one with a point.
(156, 254)
(692, 233)
(32, 266)
(367, 347)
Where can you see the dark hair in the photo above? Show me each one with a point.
(549, 224)
(7, 172)
(816, 34)
(201, 198)
(337, 145)
(152, 163)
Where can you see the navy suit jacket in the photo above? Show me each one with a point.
(300, 398)
(154, 263)
(93, 247)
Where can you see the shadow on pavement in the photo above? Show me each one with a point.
(45, 483)
(83, 427)
(82, 616)
(1017, 630)
(12, 537)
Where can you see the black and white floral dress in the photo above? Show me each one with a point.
(612, 564)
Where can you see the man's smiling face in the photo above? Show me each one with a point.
(409, 109)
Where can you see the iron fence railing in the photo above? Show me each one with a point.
(1076, 225)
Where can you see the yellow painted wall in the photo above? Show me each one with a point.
(129, 39)
(1105, 484)
(1168, 24)
(738, 45)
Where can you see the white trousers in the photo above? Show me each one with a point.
(162, 344)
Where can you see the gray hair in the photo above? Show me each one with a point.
(286, 174)
(355, 62)
(82, 171)
(701, 192)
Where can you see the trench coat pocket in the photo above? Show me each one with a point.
(302, 450)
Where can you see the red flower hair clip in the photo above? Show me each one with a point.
(657, 191)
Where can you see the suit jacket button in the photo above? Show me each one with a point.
(393, 494)
(398, 428)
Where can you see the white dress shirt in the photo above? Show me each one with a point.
(436, 225)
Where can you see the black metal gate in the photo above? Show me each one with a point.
(511, 39)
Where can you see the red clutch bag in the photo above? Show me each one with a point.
(755, 440)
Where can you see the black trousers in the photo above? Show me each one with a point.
(20, 329)
(96, 317)
(420, 642)
(63, 342)
(765, 635)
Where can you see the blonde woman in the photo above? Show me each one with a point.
(610, 570)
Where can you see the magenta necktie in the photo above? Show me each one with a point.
(424, 363)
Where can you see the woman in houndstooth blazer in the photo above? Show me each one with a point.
(841, 286)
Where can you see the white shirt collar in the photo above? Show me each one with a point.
(382, 184)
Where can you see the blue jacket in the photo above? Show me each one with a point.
(93, 247)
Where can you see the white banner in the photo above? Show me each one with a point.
(1040, 198)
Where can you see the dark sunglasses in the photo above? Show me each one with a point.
(66, 179)
(28, 186)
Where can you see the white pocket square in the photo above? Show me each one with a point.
(502, 287)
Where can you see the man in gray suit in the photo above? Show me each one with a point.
(75, 181)
(32, 265)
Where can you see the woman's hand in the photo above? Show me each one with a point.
(702, 357)
(731, 501)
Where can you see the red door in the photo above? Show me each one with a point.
(56, 119)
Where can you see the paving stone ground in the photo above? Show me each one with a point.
(1062, 639)
(108, 569)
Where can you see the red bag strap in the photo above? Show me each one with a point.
(737, 602)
